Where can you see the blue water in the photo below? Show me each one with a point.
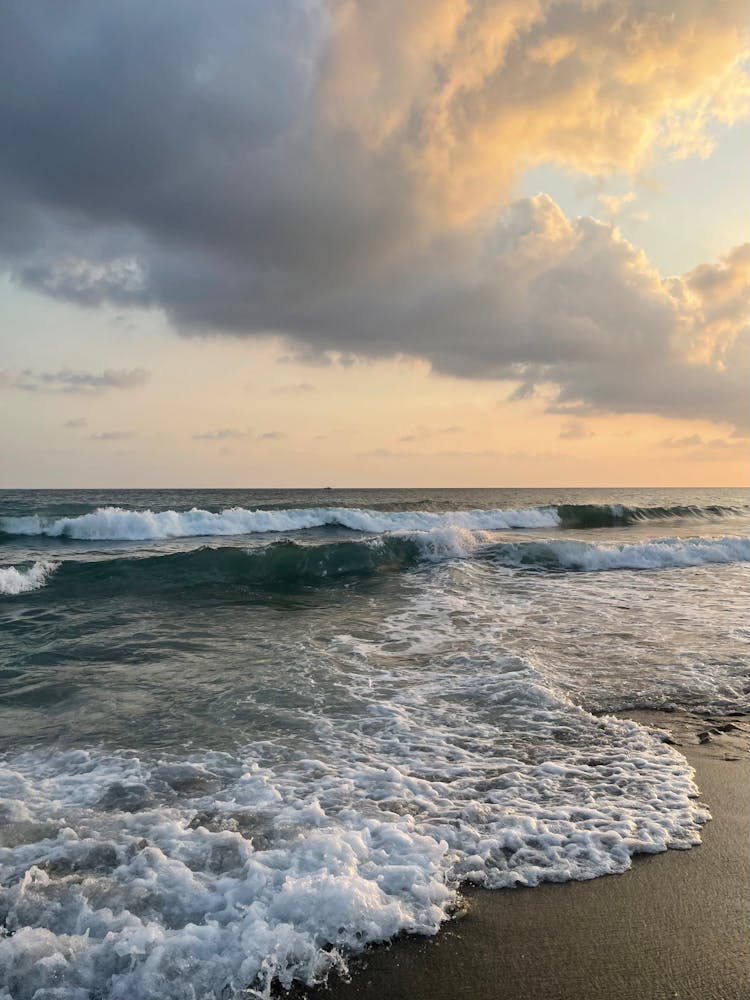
(244, 733)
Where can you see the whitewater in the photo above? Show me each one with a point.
(246, 734)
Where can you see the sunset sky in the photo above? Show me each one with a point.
(442, 242)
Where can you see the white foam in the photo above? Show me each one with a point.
(20, 581)
(111, 523)
(437, 544)
(171, 879)
(657, 553)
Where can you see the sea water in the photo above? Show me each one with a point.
(244, 734)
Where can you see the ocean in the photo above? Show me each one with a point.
(246, 733)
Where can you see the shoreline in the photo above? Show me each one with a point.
(675, 925)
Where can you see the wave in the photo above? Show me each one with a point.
(117, 523)
(20, 581)
(615, 515)
(114, 523)
(658, 553)
(278, 566)
(287, 565)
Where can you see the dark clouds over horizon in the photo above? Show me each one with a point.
(344, 178)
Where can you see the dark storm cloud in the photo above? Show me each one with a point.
(202, 158)
(174, 145)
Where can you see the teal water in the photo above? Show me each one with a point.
(243, 733)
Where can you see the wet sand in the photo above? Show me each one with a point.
(677, 925)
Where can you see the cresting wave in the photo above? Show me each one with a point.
(614, 515)
(268, 567)
(20, 581)
(289, 564)
(657, 553)
(276, 566)
(116, 523)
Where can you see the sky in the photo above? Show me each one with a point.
(346, 243)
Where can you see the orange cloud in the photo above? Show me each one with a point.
(467, 94)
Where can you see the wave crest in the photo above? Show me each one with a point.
(119, 524)
(287, 564)
(658, 553)
(615, 515)
(278, 566)
(20, 581)
(115, 523)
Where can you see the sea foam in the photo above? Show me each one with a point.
(170, 878)
(20, 581)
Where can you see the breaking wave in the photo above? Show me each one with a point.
(277, 566)
(614, 515)
(287, 564)
(20, 581)
(657, 553)
(116, 523)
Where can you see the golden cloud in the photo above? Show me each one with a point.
(469, 93)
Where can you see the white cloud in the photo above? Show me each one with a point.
(613, 204)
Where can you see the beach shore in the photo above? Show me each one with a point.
(676, 925)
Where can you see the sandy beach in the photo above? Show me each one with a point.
(677, 925)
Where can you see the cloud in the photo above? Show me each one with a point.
(232, 433)
(423, 433)
(524, 390)
(573, 430)
(613, 204)
(382, 453)
(298, 387)
(472, 89)
(111, 435)
(222, 434)
(713, 447)
(688, 441)
(75, 382)
(339, 174)
(610, 332)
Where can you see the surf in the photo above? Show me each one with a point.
(120, 524)
(14, 581)
(288, 565)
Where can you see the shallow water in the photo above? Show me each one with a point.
(243, 734)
